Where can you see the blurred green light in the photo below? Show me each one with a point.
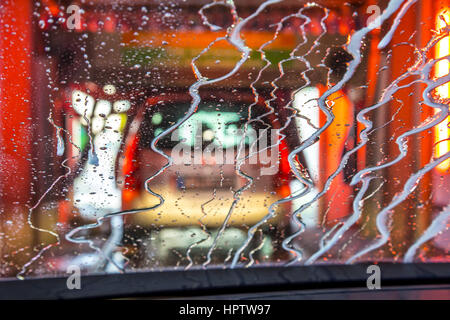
(157, 118)
(158, 131)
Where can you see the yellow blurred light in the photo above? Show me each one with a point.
(442, 132)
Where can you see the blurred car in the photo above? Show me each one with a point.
(199, 187)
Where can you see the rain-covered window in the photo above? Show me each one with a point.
(187, 134)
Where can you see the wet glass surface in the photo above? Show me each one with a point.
(149, 135)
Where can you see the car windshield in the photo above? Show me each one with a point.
(189, 135)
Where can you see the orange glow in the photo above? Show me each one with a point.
(284, 191)
(442, 132)
(15, 96)
(190, 39)
(332, 146)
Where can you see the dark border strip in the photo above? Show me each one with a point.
(223, 281)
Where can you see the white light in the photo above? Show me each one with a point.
(305, 102)
(208, 135)
(109, 89)
(82, 103)
(121, 106)
(103, 108)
